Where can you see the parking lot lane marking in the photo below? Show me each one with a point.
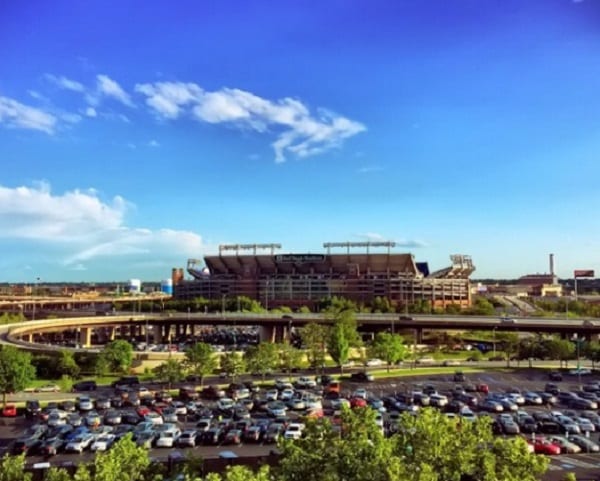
(578, 463)
(567, 466)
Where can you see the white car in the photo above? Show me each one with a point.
(305, 382)
(225, 404)
(84, 403)
(103, 442)
(374, 362)
(55, 419)
(516, 398)
(180, 408)
(286, 394)
(154, 418)
(81, 442)
(48, 388)
(438, 400)
(167, 439)
(294, 431)
(272, 395)
(361, 393)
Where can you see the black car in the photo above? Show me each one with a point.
(459, 376)
(555, 376)
(51, 446)
(361, 377)
(85, 386)
(213, 436)
(32, 408)
(126, 381)
(26, 446)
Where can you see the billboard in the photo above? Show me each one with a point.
(584, 273)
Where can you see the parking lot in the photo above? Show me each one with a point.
(265, 408)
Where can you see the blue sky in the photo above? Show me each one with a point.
(134, 135)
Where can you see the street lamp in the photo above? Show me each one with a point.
(494, 341)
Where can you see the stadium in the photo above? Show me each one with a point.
(297, 280)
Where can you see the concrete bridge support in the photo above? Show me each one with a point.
(85, 336)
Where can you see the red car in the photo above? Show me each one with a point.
(484, 388)
(543, 446)
(358, 402)
(9, 411)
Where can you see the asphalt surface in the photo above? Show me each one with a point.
(585, 466)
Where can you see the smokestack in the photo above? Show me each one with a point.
(552, 265)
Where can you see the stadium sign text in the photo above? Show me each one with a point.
(299, 258)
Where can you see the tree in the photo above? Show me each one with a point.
(313, 337)
(233, 364)
(170, 371)
(200, 359)
(57, 474)
(389, 347)
(338, 345)
(357, 451)
(118, 356)
(262, 359)
(510, 344)
(561, 349)
(125, 460)
(12, 468)
(290, 358)
(16, 370)
(450, 449)
(66, 364)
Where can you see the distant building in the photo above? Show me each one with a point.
(304, 279)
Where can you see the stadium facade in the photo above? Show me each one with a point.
(296, 280)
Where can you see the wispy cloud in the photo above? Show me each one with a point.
(299, 131)
(368, 169)
(376, 237)
(153, 143)
(65, 83)
(17, 115)
(83, 227)
(110, 88)
(91, 112)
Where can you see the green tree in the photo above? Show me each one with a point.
(170, 371)
(66, 364)
(125, 460)
(357, 450)
(313, 337)
(262, 359)
(510, 344)
(12, 468)
(200, 360)
(65, 383)
(118, 355)
(561, 349)
(389, 347)
(57, 474)
(450, 449)
(290, 358)
(338, 345)
(381, 305)
(233, 364)
(16, 370)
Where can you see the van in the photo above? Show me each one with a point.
(126, 381)
(85, 386)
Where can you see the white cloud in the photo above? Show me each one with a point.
(375, 237)
(16, 114)
(153, 143)
(65, 83)
(70, 118)
(82, 227)
(91, 112)
(367, 169)
(298, 130)
(109, 88)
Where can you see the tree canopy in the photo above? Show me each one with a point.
(117, 356)
(200, 360)
(16, 370)
(388, 347)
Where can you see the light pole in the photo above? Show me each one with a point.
(494, 341)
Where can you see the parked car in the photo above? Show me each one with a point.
(233, 436)
(103, 442)
(566, 446)
(544, 446)
(48, 388)
(85, 386)
(32, 408)
(9, 410)
(586, 445)
(188, 438)
(362, 377)
(80, 443)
